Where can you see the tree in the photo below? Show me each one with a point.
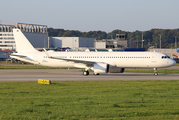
(168, 35)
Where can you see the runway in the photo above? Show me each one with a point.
(14, 75)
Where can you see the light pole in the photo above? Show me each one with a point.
(176, 42)
(148, 42)
(56, 43)
(160, 41)
(142, 40)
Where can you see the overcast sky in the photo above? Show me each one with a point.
(93, 15)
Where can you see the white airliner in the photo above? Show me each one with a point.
(99, 62)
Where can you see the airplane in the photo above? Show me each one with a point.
(99, 62)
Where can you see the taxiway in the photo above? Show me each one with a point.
(13, 75)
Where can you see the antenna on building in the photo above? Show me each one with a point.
(44, 43)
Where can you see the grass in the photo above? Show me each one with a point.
(146, 100)
(152, 71)
(27, 67)
(132, 70)
(31, 67)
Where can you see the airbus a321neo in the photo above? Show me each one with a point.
(99, 62)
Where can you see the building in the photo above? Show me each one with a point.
(36, 34)
(119, 42)
(170, 52)
(4, 55)
(72, 42)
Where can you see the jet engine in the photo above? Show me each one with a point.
(116, 70)
(100, 68)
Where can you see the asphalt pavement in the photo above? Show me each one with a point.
(14, 75)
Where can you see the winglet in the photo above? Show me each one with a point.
(47, 53)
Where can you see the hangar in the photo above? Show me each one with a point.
(72, 42)
(37, 35)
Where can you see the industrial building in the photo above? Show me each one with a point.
(170, 52)
(36, 34)
(72, 42)
(38, 37)
(119, 42)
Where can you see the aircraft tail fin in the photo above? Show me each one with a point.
(22, 43)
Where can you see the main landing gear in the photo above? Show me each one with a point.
(85, 73)
(155, 72)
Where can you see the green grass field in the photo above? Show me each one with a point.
(132, 70)
(152, 71)
(29, 67)
(145, 100)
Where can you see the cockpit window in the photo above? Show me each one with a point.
(164, 57)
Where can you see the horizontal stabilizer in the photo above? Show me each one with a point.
(18, 55)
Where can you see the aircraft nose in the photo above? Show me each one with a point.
(173, 62)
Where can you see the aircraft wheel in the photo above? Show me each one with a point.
(85, 73)
(155, 74)
(96, 73)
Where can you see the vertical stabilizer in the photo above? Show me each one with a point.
(22, 43)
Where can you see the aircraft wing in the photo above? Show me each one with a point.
(76, 61)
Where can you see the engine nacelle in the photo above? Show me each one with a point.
(100, 68)
(116, 70)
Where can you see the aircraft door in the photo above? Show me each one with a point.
(153, 57)
(35, 58)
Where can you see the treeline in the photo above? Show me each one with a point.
(151, 37)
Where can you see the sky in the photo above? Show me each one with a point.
(93, 15)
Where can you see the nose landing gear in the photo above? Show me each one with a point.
(155, 72)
